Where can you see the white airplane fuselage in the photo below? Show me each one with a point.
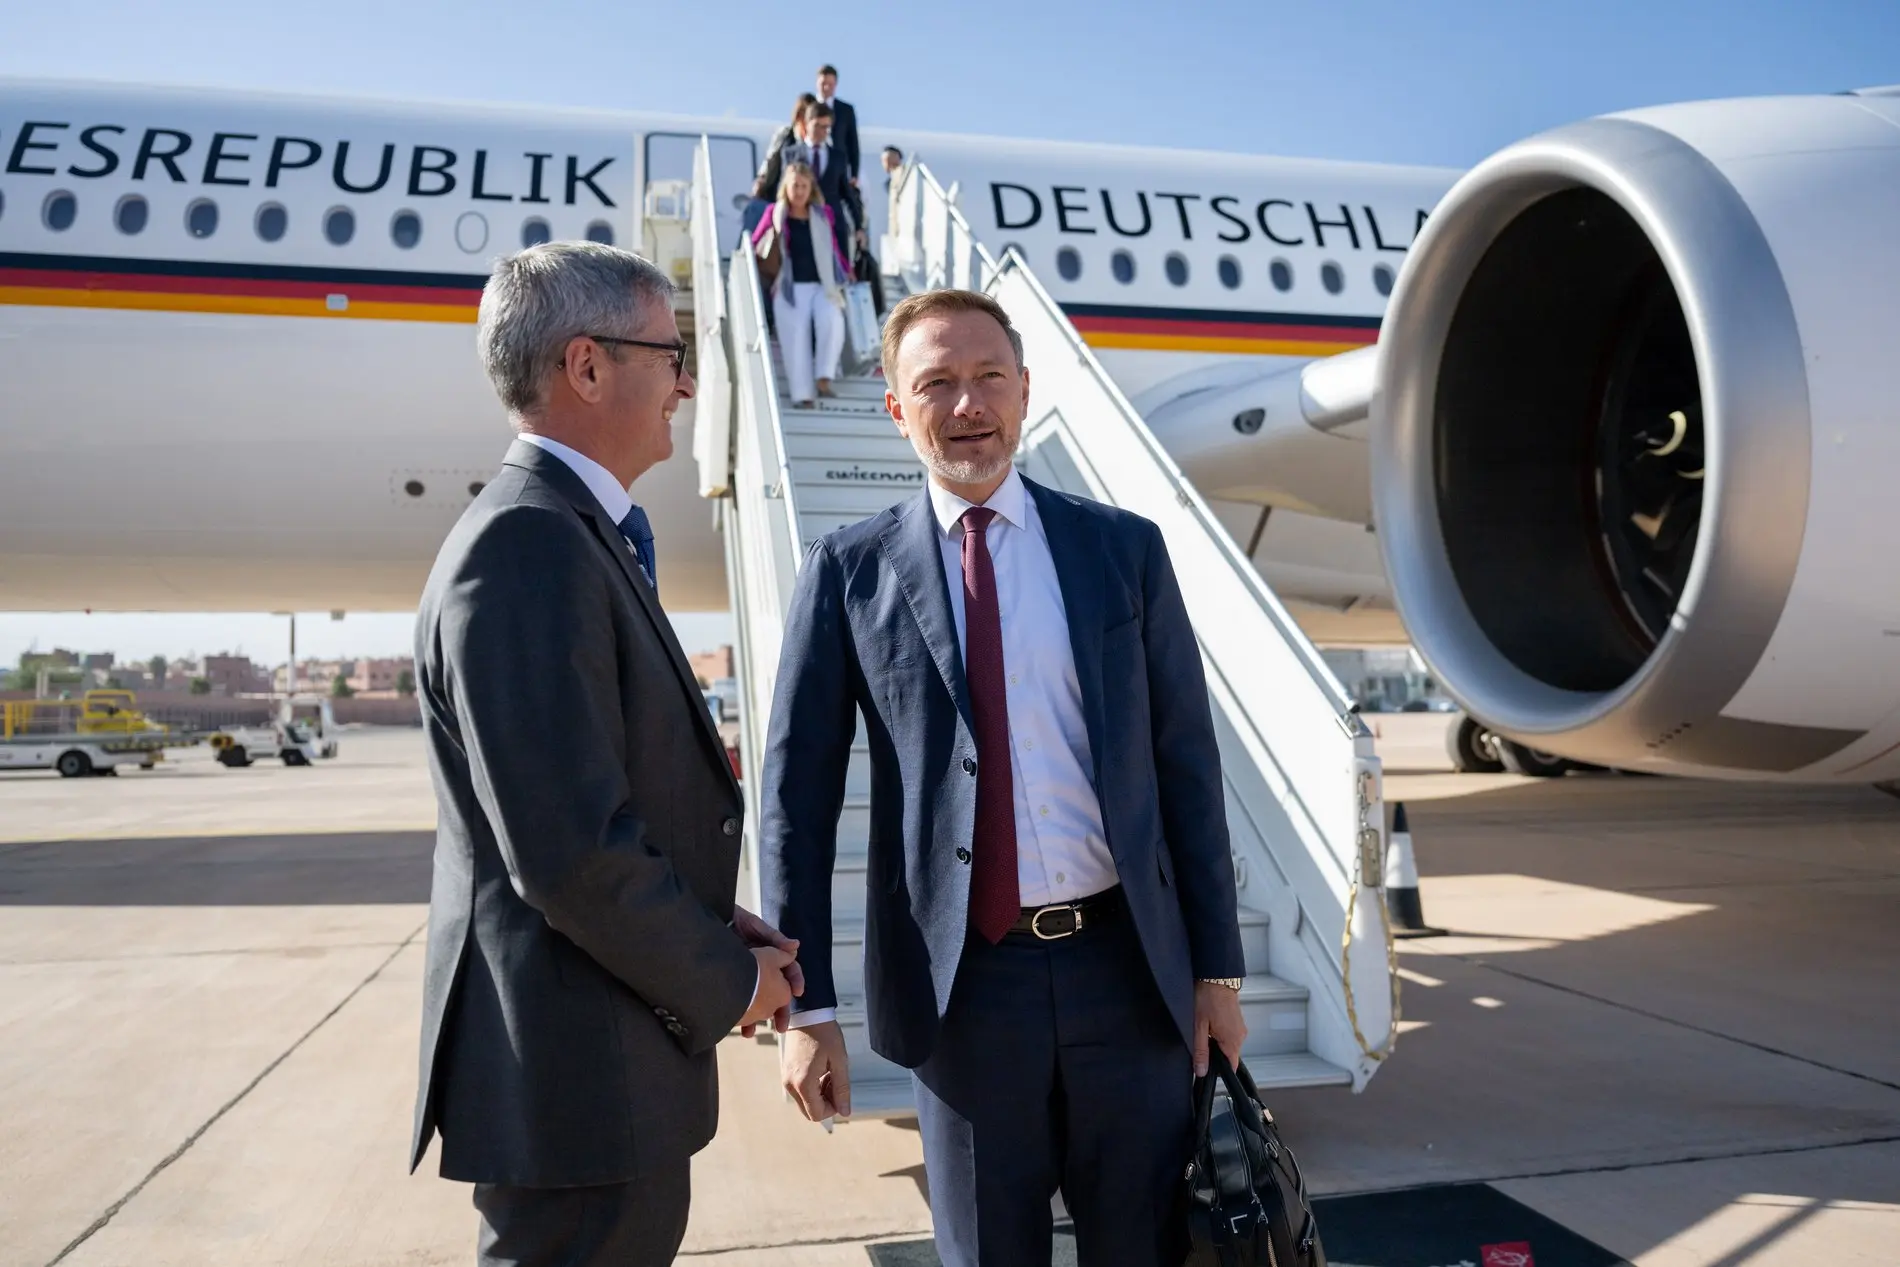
(237, 366)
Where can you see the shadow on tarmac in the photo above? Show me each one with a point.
(354, 869)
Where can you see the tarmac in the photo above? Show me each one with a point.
(1666, 1019)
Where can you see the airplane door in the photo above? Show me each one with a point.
(735, 161)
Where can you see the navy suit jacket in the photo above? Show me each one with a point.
(871, 630)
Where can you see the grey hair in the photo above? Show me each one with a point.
(537, 301)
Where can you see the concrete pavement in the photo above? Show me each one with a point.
(1665, 1022)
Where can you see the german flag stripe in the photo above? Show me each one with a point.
(1217, 330)
(67, 281)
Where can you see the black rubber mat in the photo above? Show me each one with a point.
(1457, 1225)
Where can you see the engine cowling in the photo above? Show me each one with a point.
(1636, 439)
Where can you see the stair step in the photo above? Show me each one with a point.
(848, 386)
(881, 1089)
(1293, 1069)
(817, 422)
(823, 479)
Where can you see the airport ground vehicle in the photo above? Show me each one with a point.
(95, 734)
(303, 732)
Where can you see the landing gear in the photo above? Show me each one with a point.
(1472, 748)
(1538, 764)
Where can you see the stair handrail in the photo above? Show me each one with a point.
(712, 408)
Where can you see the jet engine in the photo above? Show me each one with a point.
(1635, 442)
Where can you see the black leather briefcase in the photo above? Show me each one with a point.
(1245, 1200)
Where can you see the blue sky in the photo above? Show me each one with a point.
(1443, 82)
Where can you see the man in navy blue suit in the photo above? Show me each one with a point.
(1050, 933)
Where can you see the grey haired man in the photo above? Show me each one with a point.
(585, 955)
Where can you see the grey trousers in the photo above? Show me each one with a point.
(634, 1224)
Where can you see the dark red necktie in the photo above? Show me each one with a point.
(995, 898)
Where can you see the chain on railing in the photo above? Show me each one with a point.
(1370, 862)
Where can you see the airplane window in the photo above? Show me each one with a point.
(406, 229)
(131, 214)
(602, 232)
(535, 231)
(1069, 263)
(60, 210)
(1382, 278)
(1122, 264)
(1177, 267)
(272, 220)
(471, 231)
(1282, 274)
(3, 202)
(1332, 278)
(339, 225)
(1230, 272)
(201, 218)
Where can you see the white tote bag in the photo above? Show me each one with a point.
(860, 321)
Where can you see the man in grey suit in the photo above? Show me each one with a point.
(1051, 937)
(585, 955)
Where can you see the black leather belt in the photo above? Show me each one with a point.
(1066, 919)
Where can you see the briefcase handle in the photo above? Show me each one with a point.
(1240, 1089)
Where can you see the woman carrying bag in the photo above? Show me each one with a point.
(807, 284)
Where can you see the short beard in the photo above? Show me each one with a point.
(951, 470)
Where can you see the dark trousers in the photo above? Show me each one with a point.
(634, 1224)
(1057, 1066)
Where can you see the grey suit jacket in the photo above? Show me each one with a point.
(580, 963)
(871, 632)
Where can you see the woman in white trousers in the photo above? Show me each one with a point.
(808, 297)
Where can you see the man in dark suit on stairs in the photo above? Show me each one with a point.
(585, 955)
(1051, 937)
(846, 128)
(833, 171)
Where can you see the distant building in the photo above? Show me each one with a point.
(379, 677)
(234, 675)
(710, 666)
(375, 678)
(132, 677)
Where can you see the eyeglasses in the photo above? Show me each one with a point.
(677, 348)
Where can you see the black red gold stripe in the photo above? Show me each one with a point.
(77, 281)
(1220, 330)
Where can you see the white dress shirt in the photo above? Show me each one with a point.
(607, 490)
(1061, 847)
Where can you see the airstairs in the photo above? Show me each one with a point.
(1303, 786)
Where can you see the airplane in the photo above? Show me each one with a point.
(235, 330)
(257, 309)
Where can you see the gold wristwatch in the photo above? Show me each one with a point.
(1232, 983)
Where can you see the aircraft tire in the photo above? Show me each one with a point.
(1472, 748)
(1519, 759)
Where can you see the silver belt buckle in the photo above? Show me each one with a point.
(1035, 921)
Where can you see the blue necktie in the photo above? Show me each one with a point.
(635, 528)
